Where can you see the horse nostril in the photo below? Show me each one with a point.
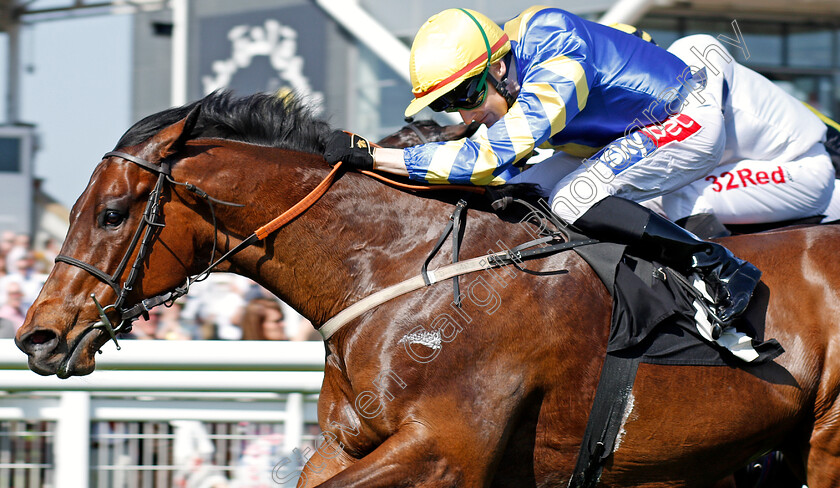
(41, 336)
(39, 341)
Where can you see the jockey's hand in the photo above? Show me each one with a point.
(351, 148)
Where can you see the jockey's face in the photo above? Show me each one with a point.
(494, 107)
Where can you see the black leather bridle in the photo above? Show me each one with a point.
(151, 224)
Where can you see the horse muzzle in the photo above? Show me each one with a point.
(51, 354)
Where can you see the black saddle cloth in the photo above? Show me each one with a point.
(653, 318)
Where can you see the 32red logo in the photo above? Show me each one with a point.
(743, 178)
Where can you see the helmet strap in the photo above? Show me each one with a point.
(502, 86)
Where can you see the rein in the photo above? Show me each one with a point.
(152, 223)
(405, 186)
(148, 228)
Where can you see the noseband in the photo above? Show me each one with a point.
(151, 224)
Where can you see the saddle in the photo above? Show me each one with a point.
(647, 296)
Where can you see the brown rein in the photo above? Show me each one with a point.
(405, 186)
(324, 185)
(149, 223)
(299, 207)
(472, 189)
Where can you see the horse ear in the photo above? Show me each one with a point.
(173, 138)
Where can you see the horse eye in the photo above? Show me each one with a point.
(111, 218)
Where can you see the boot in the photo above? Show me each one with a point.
(730, 281)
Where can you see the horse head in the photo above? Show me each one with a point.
(144, 224)
(113, 223)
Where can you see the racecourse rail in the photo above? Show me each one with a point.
(157, 381)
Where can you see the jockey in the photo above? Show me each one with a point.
(604, 98)
(774, 166)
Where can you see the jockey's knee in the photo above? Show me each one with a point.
(575, 195)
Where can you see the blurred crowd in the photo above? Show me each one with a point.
(224, 306)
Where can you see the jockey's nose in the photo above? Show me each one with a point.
(39, 342)
(468, 116)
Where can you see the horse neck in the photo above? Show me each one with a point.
(361, 236)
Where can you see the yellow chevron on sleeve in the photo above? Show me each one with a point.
(513, 27)
(519, 131)
(554, 107)
(441, 165)
(571, 70)
(486, 163)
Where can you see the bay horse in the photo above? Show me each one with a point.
(502, 398)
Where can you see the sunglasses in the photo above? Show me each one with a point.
(466, 96)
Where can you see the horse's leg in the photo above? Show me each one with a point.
(418, 457)
(322, 467)
(824, 452)
(823, 449)
(823, 467)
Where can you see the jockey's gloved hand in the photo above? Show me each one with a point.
(351, 148)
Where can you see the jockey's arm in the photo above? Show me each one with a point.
(553, 92)
(390, 161)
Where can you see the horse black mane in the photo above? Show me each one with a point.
(268, 120)
(263, 119)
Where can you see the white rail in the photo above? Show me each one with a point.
(194, 355)
(161, 381)
(182, 366)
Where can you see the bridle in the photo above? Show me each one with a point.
(153, 222)
(149, 226)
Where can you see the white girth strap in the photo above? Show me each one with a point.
(443, 273)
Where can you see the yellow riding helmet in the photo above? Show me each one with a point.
(450, 47)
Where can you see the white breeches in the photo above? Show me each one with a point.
(677, 174)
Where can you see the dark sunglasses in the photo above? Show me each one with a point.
(466, 96)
